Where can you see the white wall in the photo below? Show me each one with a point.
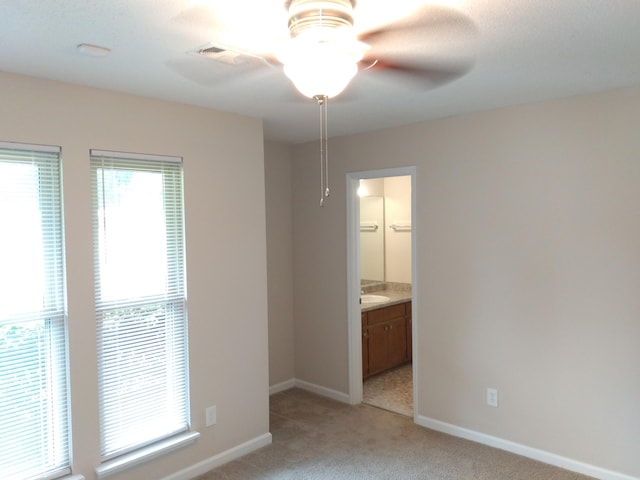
(397, 209)
(373, 186)
(397, 197)
(528, 267)
(225, 245)
(372, 246)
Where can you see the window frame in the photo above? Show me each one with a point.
(115, 459)
(52, 341)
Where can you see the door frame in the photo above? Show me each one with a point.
(353, 279)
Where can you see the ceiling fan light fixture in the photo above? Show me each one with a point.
(322, 60)
(321, 70)
(322, 55)
(317, 79)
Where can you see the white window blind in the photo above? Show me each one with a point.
(140, 299)
(34, 423)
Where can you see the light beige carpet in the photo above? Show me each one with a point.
(392, 390)
(315, 438)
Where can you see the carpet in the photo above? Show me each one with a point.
(315, 438)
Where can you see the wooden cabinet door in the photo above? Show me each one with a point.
(365, 346)
(409, 331)
(386, 338)
(397, 342)
(409, 339)
(378, 347)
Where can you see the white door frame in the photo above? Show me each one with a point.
(353, 279)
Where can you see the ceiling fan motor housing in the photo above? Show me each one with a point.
(306, 14)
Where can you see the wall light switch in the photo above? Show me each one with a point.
(492, 397)
(211, 415)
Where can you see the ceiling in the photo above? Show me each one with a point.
(506, 52)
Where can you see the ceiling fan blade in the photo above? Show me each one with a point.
(427, 22)
(199, 19)
(421, 49)
(200, 72)
(210, 65)
(428, 75)
(231, 28)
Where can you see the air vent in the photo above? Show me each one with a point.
(229, 57)
(211, 51)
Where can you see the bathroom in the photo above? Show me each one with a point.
(385, 280)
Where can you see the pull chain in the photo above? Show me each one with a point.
(323, 101)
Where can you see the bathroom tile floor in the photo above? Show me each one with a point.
(392, 390)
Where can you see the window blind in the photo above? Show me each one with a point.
(34, 420)
(138, 231)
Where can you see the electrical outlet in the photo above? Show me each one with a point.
(492, 397)
(211, 415)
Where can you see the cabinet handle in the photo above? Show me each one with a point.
(365, 334)
(390, 327)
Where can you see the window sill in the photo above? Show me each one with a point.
(145, 454)
(66, 475)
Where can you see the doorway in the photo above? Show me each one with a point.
(391, 386)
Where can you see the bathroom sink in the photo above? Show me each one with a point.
(369, 299)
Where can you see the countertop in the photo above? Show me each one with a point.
(395, 297)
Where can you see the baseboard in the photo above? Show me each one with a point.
(533, 453)
(281, 387)
(222, 458)
(323, 391)
(309, 387)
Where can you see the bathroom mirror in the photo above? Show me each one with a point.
(372, 239)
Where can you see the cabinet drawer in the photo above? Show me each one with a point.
(385, 314)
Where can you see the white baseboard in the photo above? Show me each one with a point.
(309, 387)
(281, 387)
(478, 437)
(323, 391)
(533, 453)
(222, 458)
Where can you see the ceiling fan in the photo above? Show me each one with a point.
(321, 33)
(324, 51)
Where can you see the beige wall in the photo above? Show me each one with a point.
(225, 243)
(277, 167)
(528, 263)
(528, 268)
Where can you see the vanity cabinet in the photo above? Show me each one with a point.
(386, 338)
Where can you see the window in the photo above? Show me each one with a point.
(33, 371)
(140, 299)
